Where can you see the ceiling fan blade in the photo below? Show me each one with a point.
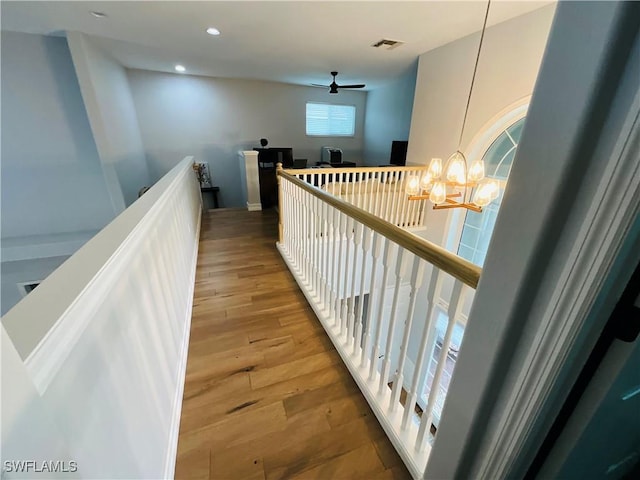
(318, 85)
(358, 85)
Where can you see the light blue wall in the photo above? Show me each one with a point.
(112, 116)
(52, 179)
(388, 116)
(214, 118)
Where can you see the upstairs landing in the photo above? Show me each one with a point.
(266, 395)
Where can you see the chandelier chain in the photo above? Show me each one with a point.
(473, 78)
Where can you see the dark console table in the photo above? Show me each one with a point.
(214, 191)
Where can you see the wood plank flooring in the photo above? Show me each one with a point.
(266, 395)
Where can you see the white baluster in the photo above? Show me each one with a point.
(400, 198)
(313, 227)
(357, 240)
(337, 263)
(389, 251)
(344, 314)
(417, 272)
(308, 233)
(341, 246)
(318, 246)
(401, 267)
(299, 233)
(434, 286)
(367, 235)
(423, 212)
(455, 303)
(304, 226)
(378, 241)
(361, 198)
(364, 194)
(315, 230)
(393, 217)
(294, 219)
(290, 217)
(400, 271)
(322, 206)
(377, 178)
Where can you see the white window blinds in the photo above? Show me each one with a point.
(324, 119)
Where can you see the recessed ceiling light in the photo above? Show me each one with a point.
(98, 14)
(213, 31)
(180, 69)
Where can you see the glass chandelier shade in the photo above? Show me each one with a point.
(476, 172)
(486, 192)
(438, 193)
(413, 186)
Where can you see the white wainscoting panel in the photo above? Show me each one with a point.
(111, 367)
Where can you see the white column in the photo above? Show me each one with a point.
(251, 182)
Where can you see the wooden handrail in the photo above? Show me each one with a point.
(455, 266)
(318, 171)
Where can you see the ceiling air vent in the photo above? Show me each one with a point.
(387, 44)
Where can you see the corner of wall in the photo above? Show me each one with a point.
(113, 119)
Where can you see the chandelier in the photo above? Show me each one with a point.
(447, 186)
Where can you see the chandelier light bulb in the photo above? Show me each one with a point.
(456, 169)
(486, 193)
(476, 172)
(425, 182)
(435, 168)
(413, 186)
(438, 193)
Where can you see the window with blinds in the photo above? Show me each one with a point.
(329, 120)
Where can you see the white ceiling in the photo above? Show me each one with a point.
(295, 42)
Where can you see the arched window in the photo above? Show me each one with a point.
(478, 227)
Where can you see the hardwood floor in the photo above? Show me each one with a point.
(266, 395)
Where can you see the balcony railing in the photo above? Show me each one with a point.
(378, 291)
(379, 191)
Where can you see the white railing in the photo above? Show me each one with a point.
(377, 190)
(378, 291)
(104, 340)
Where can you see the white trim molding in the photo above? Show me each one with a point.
(604, 231)
(491, 130)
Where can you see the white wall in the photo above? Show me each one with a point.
(388, 116)
(33, 270)
(507, 72)
(106, 93)
(23, 414)
(214, 118)
(105, 337)
(52, 180)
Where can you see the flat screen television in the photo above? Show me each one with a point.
(399, 152)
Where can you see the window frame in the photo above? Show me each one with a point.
(477, 148)
(329, 135)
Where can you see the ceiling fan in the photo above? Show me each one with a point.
(333, 87)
